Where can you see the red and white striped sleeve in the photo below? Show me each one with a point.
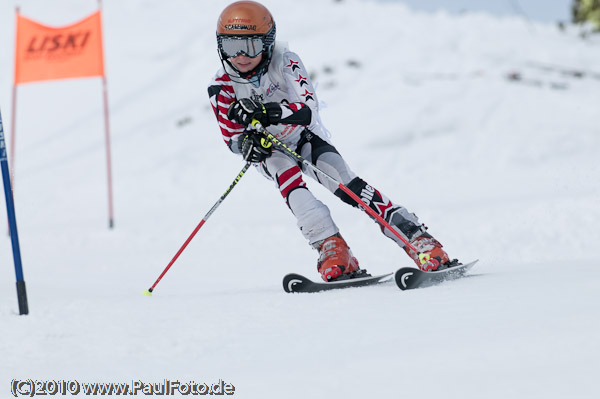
(222, 95)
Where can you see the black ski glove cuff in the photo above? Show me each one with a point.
(273, 111)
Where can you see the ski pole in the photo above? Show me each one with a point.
(148, 292)
(257, 125)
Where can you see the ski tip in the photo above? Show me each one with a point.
(292, 280)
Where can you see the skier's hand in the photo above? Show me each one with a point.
(254, 147)
(245, 110)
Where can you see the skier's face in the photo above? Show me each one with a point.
(245, 64)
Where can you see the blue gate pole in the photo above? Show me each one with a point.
(12, 223)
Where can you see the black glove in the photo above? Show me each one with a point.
(245, 110)
(254, 147)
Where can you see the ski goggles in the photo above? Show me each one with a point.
(250, 46)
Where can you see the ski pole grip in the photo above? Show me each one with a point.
(257, 125)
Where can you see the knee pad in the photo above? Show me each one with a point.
(356, 185)
(395, 215)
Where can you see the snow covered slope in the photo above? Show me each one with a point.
(501, 170)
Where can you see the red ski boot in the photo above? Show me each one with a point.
(430, 256)
(335, 259)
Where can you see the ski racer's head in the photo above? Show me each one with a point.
(246, 37)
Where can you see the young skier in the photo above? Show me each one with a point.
(261, 79)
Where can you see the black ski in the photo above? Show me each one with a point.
(297, 283)
(409, 277)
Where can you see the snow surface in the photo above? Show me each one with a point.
(419, 105)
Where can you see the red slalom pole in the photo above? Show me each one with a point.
(111, 216)
(148, 292)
